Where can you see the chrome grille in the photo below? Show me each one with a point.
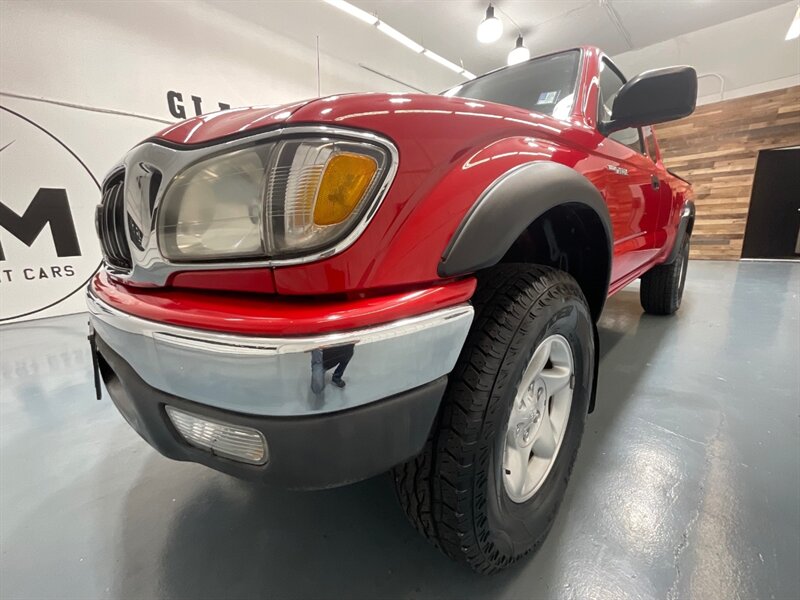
(110, 222)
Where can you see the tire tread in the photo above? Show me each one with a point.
(435, 488)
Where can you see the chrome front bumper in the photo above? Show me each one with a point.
(286, 376)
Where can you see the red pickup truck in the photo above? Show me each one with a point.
(315, 293)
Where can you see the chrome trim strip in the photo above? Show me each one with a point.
(150, 267)
(226, 343)
(286, 376)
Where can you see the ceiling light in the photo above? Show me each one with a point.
(443, 61)
(794, 28)
(491, 28)
(354, 11)
(397, 36)
(369, 19)
(519, 54)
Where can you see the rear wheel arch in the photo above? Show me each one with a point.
(541, 213)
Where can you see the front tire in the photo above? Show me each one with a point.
(464, 492)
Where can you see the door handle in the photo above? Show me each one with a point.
(655, 182)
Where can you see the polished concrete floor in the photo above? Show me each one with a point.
(687, 484)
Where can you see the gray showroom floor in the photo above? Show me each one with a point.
(687, 484)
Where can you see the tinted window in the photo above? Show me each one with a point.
(546, 85)
(611, 83)
(650, 143)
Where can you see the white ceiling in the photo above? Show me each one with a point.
(448, 28)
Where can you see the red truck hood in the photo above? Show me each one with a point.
(356, 110)
(213, 126)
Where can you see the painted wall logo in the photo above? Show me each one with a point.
(177, 107)
(48, 247)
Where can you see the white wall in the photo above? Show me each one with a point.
(749, 53)
(124, 57)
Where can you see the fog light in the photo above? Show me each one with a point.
(222, 439)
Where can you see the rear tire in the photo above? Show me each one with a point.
(661, 289)
(457, 491)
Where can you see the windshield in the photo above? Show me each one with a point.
(546, 85)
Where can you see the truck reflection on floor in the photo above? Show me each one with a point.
(323, 360)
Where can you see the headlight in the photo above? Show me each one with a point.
(214, 210)
(274, 200)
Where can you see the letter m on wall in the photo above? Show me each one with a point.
(48, 206)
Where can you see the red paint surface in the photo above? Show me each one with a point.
(216, 125)
(257, 281)
(264, 315)
(451, 150)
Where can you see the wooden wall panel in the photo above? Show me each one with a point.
(716, 149)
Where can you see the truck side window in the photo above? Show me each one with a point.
(650, 143)
(610, 84)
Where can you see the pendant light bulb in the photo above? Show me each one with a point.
(519, 54)
(491, 28)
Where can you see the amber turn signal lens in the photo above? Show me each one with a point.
(346, 179)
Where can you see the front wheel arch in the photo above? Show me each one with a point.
(540, 213)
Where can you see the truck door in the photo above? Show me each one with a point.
(667, 204)
(632, 184)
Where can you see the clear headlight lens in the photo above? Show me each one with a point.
(278, 199)
(213, 210)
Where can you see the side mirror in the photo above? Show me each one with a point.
(654, 97)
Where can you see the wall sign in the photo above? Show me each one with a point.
(48, 246)
(177, 106)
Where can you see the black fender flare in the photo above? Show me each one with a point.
(509, 205)
(685, 226)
